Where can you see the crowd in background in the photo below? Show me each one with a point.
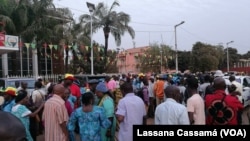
(100, 108)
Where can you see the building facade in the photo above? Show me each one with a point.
(127, 59)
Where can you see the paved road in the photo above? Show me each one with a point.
(150, 121)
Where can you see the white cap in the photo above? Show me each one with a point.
(218, 73)
(39, 77)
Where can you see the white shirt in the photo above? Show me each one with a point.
(228, 83)
(47, 86)
(133, 109)
(239, 88)
(150, 89)
(202, 88)
(171, 113)
(38, 97)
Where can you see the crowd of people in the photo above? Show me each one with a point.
(107, 110)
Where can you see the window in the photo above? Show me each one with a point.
(2, 84)
(246, 82)
(31, 83)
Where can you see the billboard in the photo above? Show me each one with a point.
(8, 41)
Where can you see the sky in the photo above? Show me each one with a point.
(215, 22)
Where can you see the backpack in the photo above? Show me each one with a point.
(31, 105)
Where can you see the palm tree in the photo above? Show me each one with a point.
(110, 21)
(14, 15)
(14, 19)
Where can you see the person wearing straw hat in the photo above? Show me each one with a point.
(9, 98)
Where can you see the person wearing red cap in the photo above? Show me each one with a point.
(75, 90)
(9, 98)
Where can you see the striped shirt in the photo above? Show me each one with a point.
(54, 114)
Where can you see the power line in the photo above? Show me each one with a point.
(71, 8)
(152, 31)
(171, 39)
(149, 23)
(135, 22)
(194, 35)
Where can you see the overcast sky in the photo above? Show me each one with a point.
(208, 21)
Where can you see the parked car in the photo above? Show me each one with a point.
(84, 79)
(245, 81)
(10, 82)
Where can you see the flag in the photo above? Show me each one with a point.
(20, 44)
(75, 47)
(55, 46)
(50, 46)
(27, 45)
(33, 45)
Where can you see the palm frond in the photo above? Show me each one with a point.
(114, 4)
(131, 31)
(10, 26)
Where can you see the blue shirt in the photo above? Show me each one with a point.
(82, 90)
(72, 100)
(8, 105)
(22, 112)
(90, 123)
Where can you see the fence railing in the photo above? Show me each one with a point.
(45, 78)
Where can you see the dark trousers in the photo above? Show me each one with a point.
(33, 127)
(151, 108)
(40, 123)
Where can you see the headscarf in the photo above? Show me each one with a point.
(101, 87)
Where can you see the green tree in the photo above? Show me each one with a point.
(14, 18)
(246, 55)
(184, 60)
(82, 63)
(154, 58)
(204, 57)
(110, 21)
(232, 55)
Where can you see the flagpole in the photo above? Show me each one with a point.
(21, 56)
(28, 62)
(51, 61)
(45, 60)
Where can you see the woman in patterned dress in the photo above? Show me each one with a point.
(90, 119)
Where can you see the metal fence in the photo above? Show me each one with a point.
(53, 77)
(45, 78)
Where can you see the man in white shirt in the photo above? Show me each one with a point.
(130, 111)
(171, 112)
